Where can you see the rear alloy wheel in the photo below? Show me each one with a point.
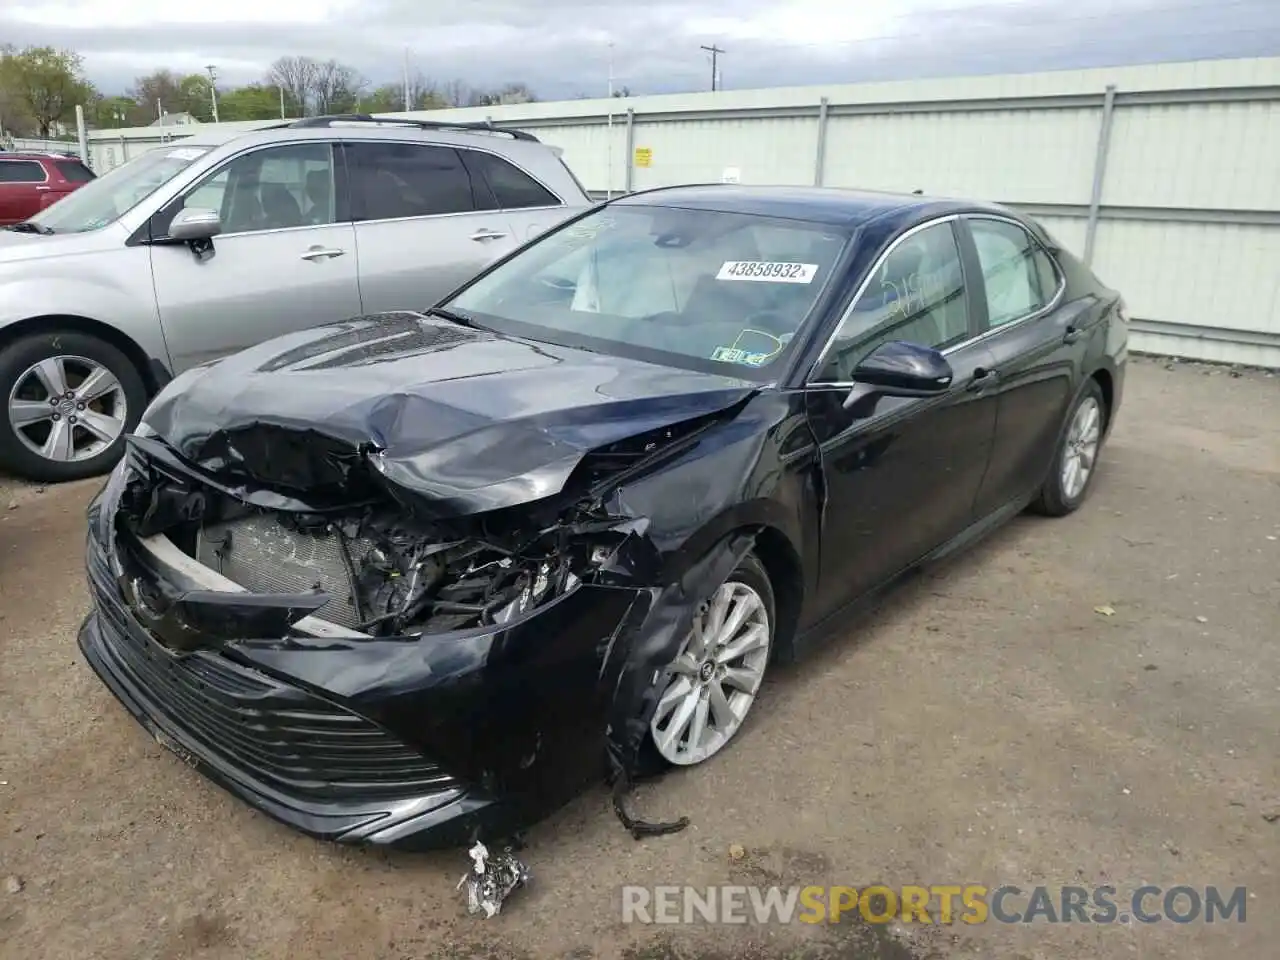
(1076, 460)
(70, 400)
(716, 676)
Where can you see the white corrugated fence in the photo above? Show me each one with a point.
(1166, 177)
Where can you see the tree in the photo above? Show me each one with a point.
(458, 93)
(516, 93)
(113, 112)
(45, 84)
(384, 99)
(254, 102)
(195, 96)
(296, 76)
(172, 93)
(335, 87)
(14, 117)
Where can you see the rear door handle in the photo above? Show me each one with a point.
(982, 378)
(485, 234)
(43, 189)
(1071, 336)
(322, 253)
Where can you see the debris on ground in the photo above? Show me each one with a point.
(492, 879)
(13, 884)
(639, 829)
(736, 851)
(1271, 816)
(1202, 619)
(13, 504)
(1105, 609)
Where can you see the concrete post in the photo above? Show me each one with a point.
(1099, 172)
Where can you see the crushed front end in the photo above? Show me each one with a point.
(352, 668)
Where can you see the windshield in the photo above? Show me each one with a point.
(722, 292)
(107, 198)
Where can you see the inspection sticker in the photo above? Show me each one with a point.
(185, 153)
(734, 355)
(768, 271)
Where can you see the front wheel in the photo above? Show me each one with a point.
(1076, 459)
(714, 679)
(70, 400)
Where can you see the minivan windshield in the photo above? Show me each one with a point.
(705, 290)
(110, 196)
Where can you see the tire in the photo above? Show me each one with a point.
(1060, 494)
(692, 684)
(75, 437)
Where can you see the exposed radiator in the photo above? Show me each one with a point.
(265, 557)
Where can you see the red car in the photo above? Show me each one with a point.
(29, 182)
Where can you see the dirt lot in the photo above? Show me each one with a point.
(986, 725)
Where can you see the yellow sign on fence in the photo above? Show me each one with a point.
(644, 157)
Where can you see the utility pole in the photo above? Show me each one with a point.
(213, 90)
(715, 73)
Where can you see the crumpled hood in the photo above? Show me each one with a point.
(466, 419)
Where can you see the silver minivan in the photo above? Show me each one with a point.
(210, 244)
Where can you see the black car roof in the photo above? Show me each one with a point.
(830, 205)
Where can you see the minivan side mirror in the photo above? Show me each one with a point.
(901, 369)
(196, 223)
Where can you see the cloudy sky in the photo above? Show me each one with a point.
(561, 48)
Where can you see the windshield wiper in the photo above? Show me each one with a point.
(453, 316)
(28, 227)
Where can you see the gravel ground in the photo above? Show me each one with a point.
(985, 725)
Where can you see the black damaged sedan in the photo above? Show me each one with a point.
(418, 578)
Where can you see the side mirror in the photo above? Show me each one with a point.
(196, 223)
(901, 369)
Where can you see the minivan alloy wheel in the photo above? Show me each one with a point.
(716, 676)
(67, 408)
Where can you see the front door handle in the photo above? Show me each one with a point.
(982, 378)
(1071, 336)
(485, 234)
(43, 189)
(315, 254)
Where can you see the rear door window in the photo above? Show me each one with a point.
(1017, 276)
(74, 171)
(513, 188)
(395, 180)
(21, 171)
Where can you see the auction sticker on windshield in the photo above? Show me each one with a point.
(768, 271)
(185, 153)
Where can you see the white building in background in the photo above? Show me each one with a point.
(182, 119)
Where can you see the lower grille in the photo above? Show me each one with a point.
(280, 735)
(264, 556)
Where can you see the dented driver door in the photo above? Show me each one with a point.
(901, 474)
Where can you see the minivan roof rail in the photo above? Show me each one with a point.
(337, 118)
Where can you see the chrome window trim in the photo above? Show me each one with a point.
(862, 289)
(1049, 307)
(44, 172)
(342, 225)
